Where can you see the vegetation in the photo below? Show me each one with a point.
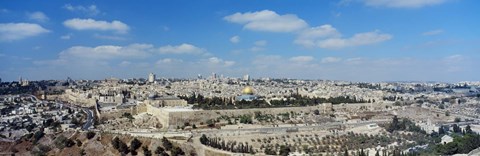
(79, 143)
(135, 144)
(128, 116)
(167, 144)
(146, 151)
(120, 146)
(37, 136)
(284, 150)
(294, 100)
(176, 151)
(405, 125)
(90, 135)
(62, 142)
(231, 146)
(463, 142)
(159, 150)
(246, 119)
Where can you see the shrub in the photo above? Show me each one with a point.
(90, 135)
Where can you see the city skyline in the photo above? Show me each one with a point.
(353, 40)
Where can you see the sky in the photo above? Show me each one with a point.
(353, 40)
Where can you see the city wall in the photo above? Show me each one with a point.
(202, 116)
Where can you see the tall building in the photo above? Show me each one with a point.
(23, 82)
(199, 76)
(246, 77)
(151, 78)
(214, 76)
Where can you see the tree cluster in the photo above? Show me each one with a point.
(461, 144)
(405, 125)
(231, 146)
(294, 100)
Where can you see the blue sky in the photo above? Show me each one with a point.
(356, 40)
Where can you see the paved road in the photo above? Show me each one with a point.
(89, 121)
(88, 124)
(273, 129)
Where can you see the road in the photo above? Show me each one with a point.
(89, 121)
(273, 129)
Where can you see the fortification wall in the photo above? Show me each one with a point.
(202, 116)
(161, 114)
(196, 117)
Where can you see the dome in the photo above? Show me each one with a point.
(247, 90)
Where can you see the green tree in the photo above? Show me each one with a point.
(457, 119)
(177, 151)
(38, 135)
(167, 144)
(316, 112)
(284, 150)
(79, 143)
(204, 139)
(146, 151)
(441, 130)
(135, 144)
(468, 130)
(116, 142)
(159, 150)
(90, 135)
(82, 152)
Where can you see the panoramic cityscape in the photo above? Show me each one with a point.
(240, 78)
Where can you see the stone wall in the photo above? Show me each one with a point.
(161, 114)
(174, 119)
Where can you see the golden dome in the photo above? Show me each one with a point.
(247, 90)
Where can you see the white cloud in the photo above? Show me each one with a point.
(105, 52)
(267, 20)
(256, 49)
(355, 60)
(235, 39)
(454, 58)
(328, 37)
(17, 31)
(457, 63)
(37, 16)
(66, 37)
(108, 37)
(125, 63)
(330, 59)
(181, 49)
(91, 10)
(114, 52)
(356, 40)
(402, 3)
(128, 61)
(433, 32)
(302, 59)
(91, 24)
(221, 62)
(307, 37)
(258, 46)
(168, 61)
(260, 43)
